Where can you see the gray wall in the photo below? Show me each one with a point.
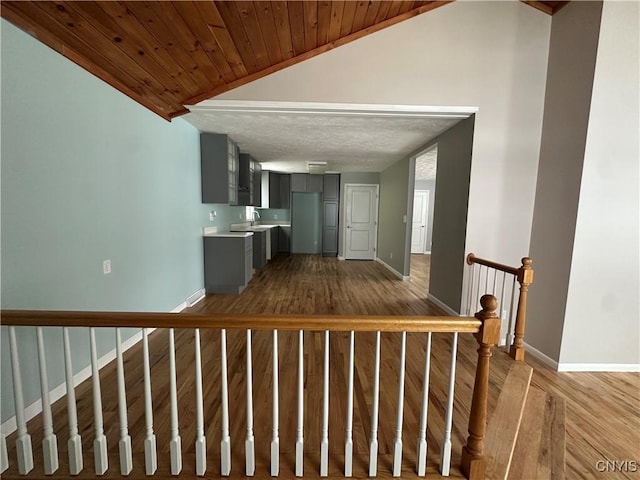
(572, 57)
(392, 229)
(89, 175)
(371, 178)
(602, 318)
(450, 213)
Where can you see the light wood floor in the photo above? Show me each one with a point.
(603, 421)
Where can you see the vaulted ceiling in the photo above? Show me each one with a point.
(165, 55)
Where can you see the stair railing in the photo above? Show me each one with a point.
(491, 277)
(485, 325)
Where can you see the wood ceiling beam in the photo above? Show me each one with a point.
(312, 53)
(21, 21)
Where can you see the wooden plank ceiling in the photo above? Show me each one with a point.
(166, 55)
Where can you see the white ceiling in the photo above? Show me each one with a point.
(350, 138)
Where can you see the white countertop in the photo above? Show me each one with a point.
(213, 232)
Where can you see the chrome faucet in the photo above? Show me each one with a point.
(255, 216)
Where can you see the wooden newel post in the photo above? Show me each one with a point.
(473, 461)
(525, 278)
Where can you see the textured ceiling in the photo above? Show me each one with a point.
(348, 141)
(426, 164)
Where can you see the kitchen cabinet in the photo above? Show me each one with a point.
(276, 190)
(257, 185)
(219, 162)
(275, 234)
(330, 220)
(284, 239)
(306, 183)
(285, 191)
(228, 263)
(247, 190)
(331, 187)
(260, 249)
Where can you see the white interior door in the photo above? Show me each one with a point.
(361, 229)
(419, 224)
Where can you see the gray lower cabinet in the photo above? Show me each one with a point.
(275, 249)
(228, 263)
(260, 249)
(284, 240)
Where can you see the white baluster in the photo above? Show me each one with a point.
(150, 453)
(397, 444)
(49, 440)
(175, 442)
(445, 460)
(486, 280)
(348, 445)
(470, 306)
(422, 433)
(74, 444)
(324, 444)
(478, 288)
(300, 428)
(124, 445)
(201, 441)
(249, 448)
(225, 443)
(504, 334)
(100, 442)
(373, 443)
(511, 333)
(275, 440)
(495, 279)
(4, 456)
(23, 442)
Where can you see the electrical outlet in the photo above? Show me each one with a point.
(240, 216)
(275, 216)
(391, 255)
(212, 215)
(106, 267)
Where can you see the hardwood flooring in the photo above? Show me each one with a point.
(602, 417)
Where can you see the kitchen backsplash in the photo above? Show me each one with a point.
(274, 214)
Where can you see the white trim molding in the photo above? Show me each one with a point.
(443, 306)
(599, 367)
(377, 110)
(392, 270)
(538, 355)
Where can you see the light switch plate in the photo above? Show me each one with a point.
(106, 267)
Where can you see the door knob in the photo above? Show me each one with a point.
(348, 226)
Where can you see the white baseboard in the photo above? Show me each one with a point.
(538, 355)
(34, 409)
(392, 270)
(599, 367)
(444, 306)
(341, 258)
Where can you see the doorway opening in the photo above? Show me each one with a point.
(424, 194)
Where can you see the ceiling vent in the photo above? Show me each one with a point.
(317, 167)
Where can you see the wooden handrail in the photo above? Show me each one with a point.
(358, 323)
(524, 276)
(471, 259)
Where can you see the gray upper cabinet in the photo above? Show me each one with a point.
(219, 161)
(299, 182)
(314, 183)
(257, 185)
(303, 182)
(248, 188)
(331, 190)
(285, 191)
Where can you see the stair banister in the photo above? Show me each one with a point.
(473, 462)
